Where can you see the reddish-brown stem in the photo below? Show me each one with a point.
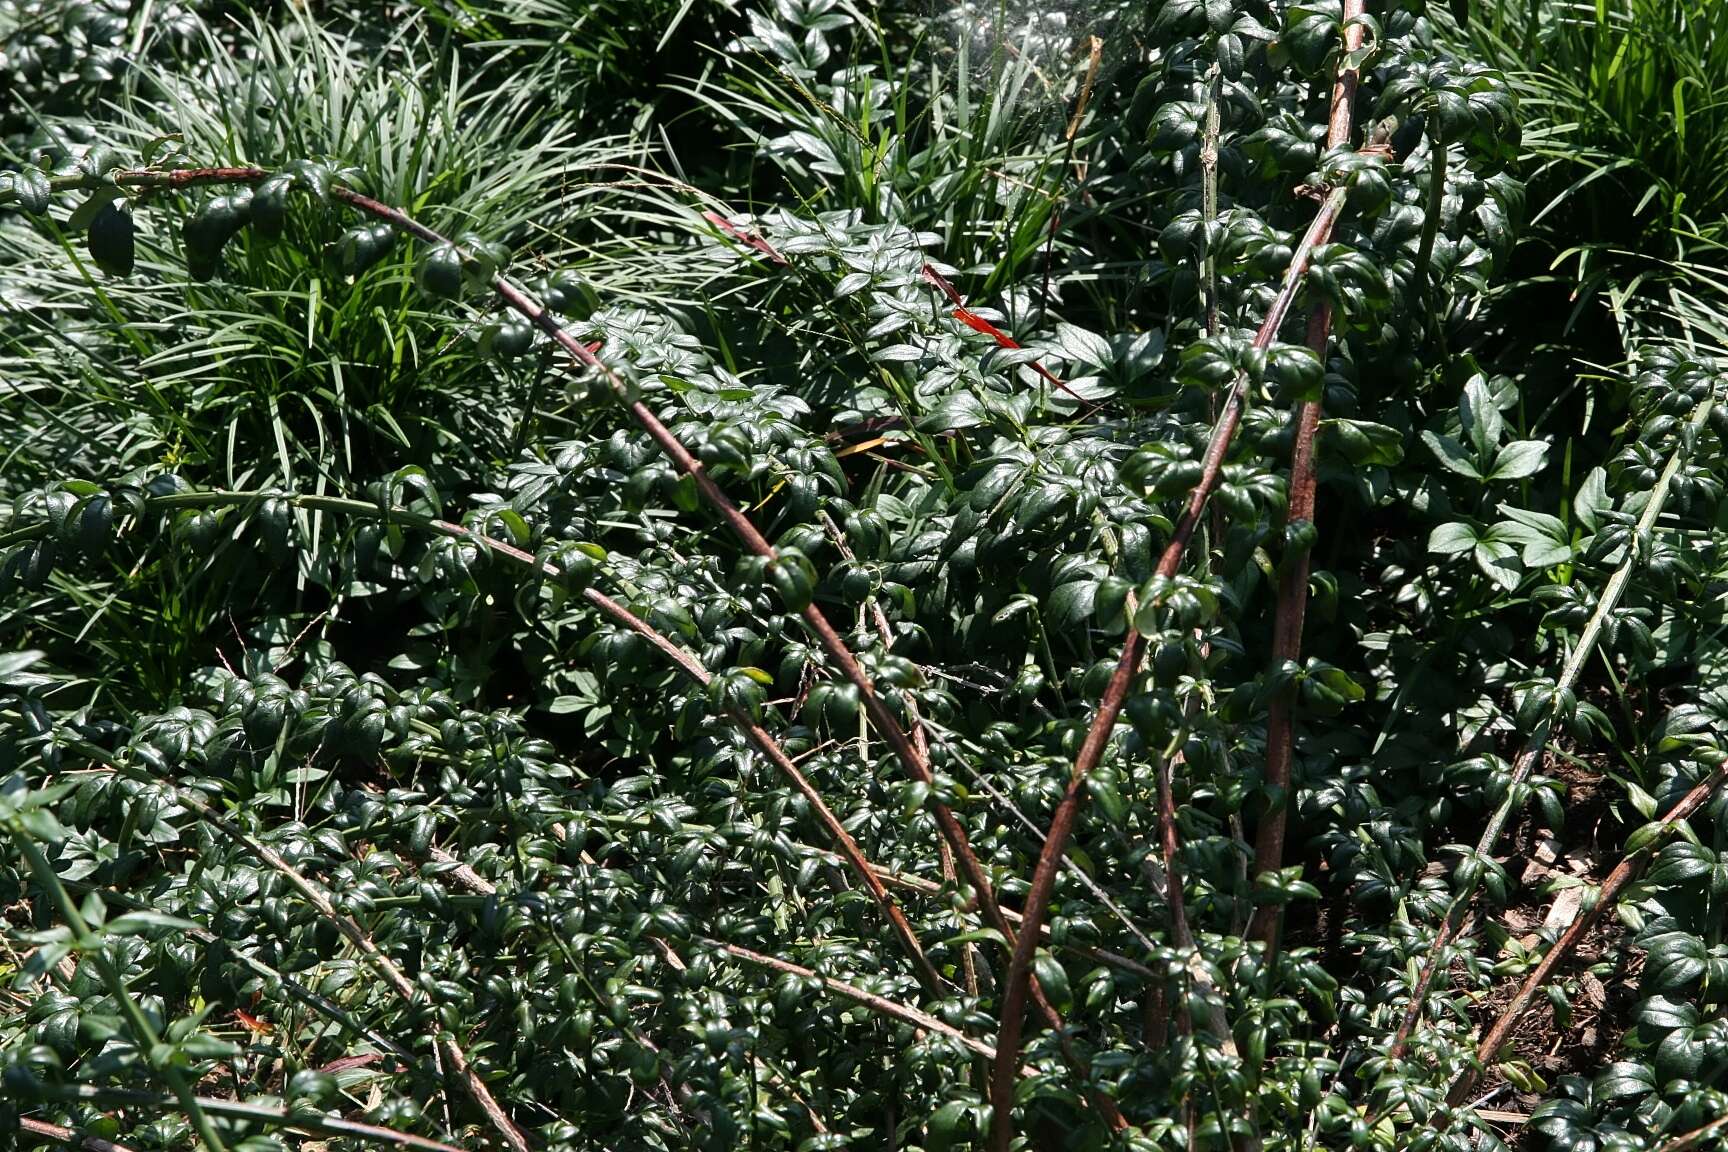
(521, 303)
(61, 1135)
(1292, 603)
(1109, 708)
(1605, 897)
(1695, 1137)
(878, 1004)
(1534, 745)
(1170, 847)
(777, 756)
(832, 645)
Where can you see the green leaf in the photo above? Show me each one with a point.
(1071, 603)
(31, 187)
(93, 204)
(1451, 454)
(113, 238)
(13, 663)
(1363, 443)
(1623, 1078)
(1481, 417)
(144, 922)
(1498, 560)
(957, 410)
(1592, 499)
(950, 1126)
(1519, 459)
(1053, 978)
(1084, 347)
(1543, 538)
(1452, 539)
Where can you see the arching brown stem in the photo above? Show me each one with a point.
(1292, 603)
(1610, 891)
(832, 645)
(1537, 741)
(1109, 708)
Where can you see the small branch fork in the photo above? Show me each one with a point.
(1292, 602)
(1109, 708)
(681, 659)
(1537, 742)
(1496, 1037)
(915, 762)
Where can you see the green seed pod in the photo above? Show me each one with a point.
(360, 248)
(270, 205)
(575, 567)
(312, 176)
(31, 565)
(210, 229)
(112, 238)
(510, 338)
(441, 272)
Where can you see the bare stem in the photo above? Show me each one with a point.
(298, 1119)
(1537, 742)
(1292, 601)
(878, 1004)
(61, 1135)
(1611, 887)
(1037, 902)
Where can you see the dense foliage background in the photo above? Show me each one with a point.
(401, 747)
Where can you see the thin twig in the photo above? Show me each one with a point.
(1094, 58)
(878, 1004)
(827, 638)
(1292, 601)
(297, 1119)
(1537, 742)
(1209, 191)
(1092, 749)
(67, 1136)
(1605, 897)
(1695, 1137)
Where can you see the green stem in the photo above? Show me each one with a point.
(1537, 741)
(301, 1119)
(144, 1033)
(1431, 215)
